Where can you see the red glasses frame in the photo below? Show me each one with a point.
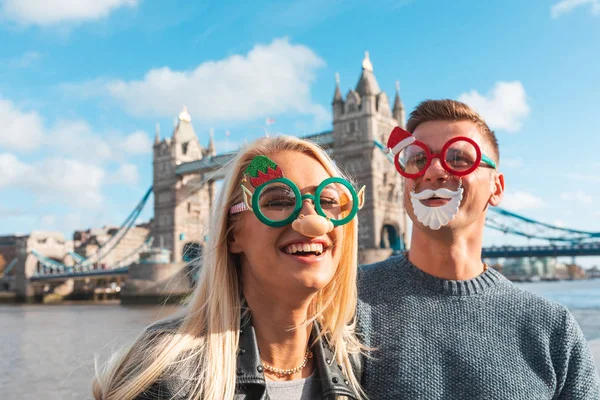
(431, 156)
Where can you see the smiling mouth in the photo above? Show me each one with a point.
(305, 249)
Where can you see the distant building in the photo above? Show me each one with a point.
(88, 242)
(530, 267)
(19, 262)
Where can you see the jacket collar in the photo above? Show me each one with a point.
(250, 370)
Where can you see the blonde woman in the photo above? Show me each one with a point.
(272, 314)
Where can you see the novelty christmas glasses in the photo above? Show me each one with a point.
(277, 201)
(460, 156)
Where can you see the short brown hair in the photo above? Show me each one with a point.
(452, 110)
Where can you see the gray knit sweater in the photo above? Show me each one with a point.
(477, 339)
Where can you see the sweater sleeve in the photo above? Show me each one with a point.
(576, 375)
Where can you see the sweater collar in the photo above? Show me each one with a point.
(487, 280)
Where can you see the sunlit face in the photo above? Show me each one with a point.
(481, 187)
(270, 258)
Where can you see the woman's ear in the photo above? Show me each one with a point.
(232, 243)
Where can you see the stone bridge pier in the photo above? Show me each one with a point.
(157, 280)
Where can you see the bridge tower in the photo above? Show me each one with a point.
(181, 202)
(363, 116)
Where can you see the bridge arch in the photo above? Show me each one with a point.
(391, 238)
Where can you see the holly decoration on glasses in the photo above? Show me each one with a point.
(261, 170)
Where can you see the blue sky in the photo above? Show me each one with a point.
(82, 88)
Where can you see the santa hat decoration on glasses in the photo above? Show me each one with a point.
(399, 139)
(277, 201)
(459, 156)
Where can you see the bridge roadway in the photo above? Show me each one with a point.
(583, 249)
(571, 250)
(99, 273)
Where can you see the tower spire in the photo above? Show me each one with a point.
(211, 150)
(337, 96)
(184, 115)
(367, 84)
(398, 111)
(157, 135)
(366, 64)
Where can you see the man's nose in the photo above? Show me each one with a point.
(435, 171)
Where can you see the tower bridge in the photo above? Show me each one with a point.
(185, 172)
(154, 259)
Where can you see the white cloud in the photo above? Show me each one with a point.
(566, 6)
(67, 180)
(578, 196)
(25, 131)
(76, 138)
(521, 201)
(12, 171)
(270, 80)
(137, 143)
(504, 108)
(127, 174)
(20, 130)
(54, 12)
(25, 60)
(71, 181)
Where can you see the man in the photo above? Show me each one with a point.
(440, 323)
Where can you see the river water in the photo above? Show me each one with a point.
(47, 352)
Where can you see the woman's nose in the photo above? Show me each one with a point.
(308, 207)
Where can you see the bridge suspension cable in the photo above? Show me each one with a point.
(78, 258)
(9, 267)
(111, 243)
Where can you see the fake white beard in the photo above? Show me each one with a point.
(436, 217)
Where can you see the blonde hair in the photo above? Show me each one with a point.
(452, 110)
(206, 339)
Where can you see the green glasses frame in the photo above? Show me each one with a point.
(300, 200)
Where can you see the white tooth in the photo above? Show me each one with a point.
(316, 247)
(297, 248)
(305, 247)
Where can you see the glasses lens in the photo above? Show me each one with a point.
(461, 156)
(412, 159)
(336, 201)
(277, 201)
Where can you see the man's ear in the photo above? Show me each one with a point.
(497, 188)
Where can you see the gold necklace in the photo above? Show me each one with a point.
(283, 372)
